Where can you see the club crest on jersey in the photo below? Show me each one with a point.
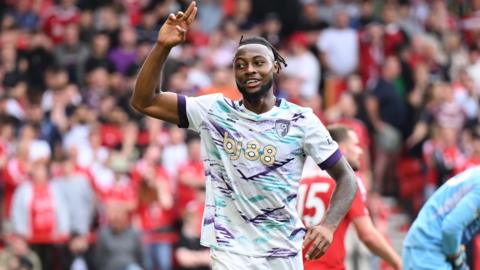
(282, 127)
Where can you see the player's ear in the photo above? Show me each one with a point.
(276, 67)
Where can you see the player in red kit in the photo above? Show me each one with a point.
(314, 197)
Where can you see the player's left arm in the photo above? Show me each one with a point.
(375, 241)
(321, 236)
(344, 193)
(454, 224)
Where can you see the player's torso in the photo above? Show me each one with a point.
(253, 165)
(265, 148)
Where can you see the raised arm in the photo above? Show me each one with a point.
(162, 105)
(321, 236)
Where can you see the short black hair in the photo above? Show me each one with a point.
(262, 41)
(339, 132)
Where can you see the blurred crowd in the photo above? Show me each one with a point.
(88, 183)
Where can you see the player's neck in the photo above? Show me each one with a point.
(260, 105)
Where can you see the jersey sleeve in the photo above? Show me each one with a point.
(318, 143)
(466, 211)
(192, 110)
(359, 207)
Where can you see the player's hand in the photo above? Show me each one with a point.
(318, 239)
(459, 260)
(175, 28)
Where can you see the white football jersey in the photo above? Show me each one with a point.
(253, 165)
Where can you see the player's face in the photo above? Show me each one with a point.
(254, 68)
(351, 150)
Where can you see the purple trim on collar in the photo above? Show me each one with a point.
(278, 101)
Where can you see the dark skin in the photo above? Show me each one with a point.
(254, 68)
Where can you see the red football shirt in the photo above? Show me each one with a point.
(156, 221)
(14, 174)
(42, 214)
(122, 190)
(186, 193)
(152, 215)
(56, 19)
(314, 197)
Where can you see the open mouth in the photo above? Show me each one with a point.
(252, 83)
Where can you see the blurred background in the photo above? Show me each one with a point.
(88, 183)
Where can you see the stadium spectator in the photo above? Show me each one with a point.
(15, 173)
(24, 16)
(175, 152)
(118, 245)
(189, 253)
(125, 53)
(191, 177)
(155, 210)
(79, 195)
(339, 46)
(302, 64)
(72, 54)
(99, 47)
(17, 255)
(58, 17)
(40, 214)
(387, 113)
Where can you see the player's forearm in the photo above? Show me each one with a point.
(379, 246)
(149, 77)
(343, 195)
(454, 224)
(451, 242)
(341, 201)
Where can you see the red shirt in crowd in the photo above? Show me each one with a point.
(122, 190)
(371, 59)
(452, 157)
(15, 173)
(186, 193)
(393, 38)
(156, 221)
(470, 162)
(314, 199)
(111, 135)
(42, 214)
(57, 18)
